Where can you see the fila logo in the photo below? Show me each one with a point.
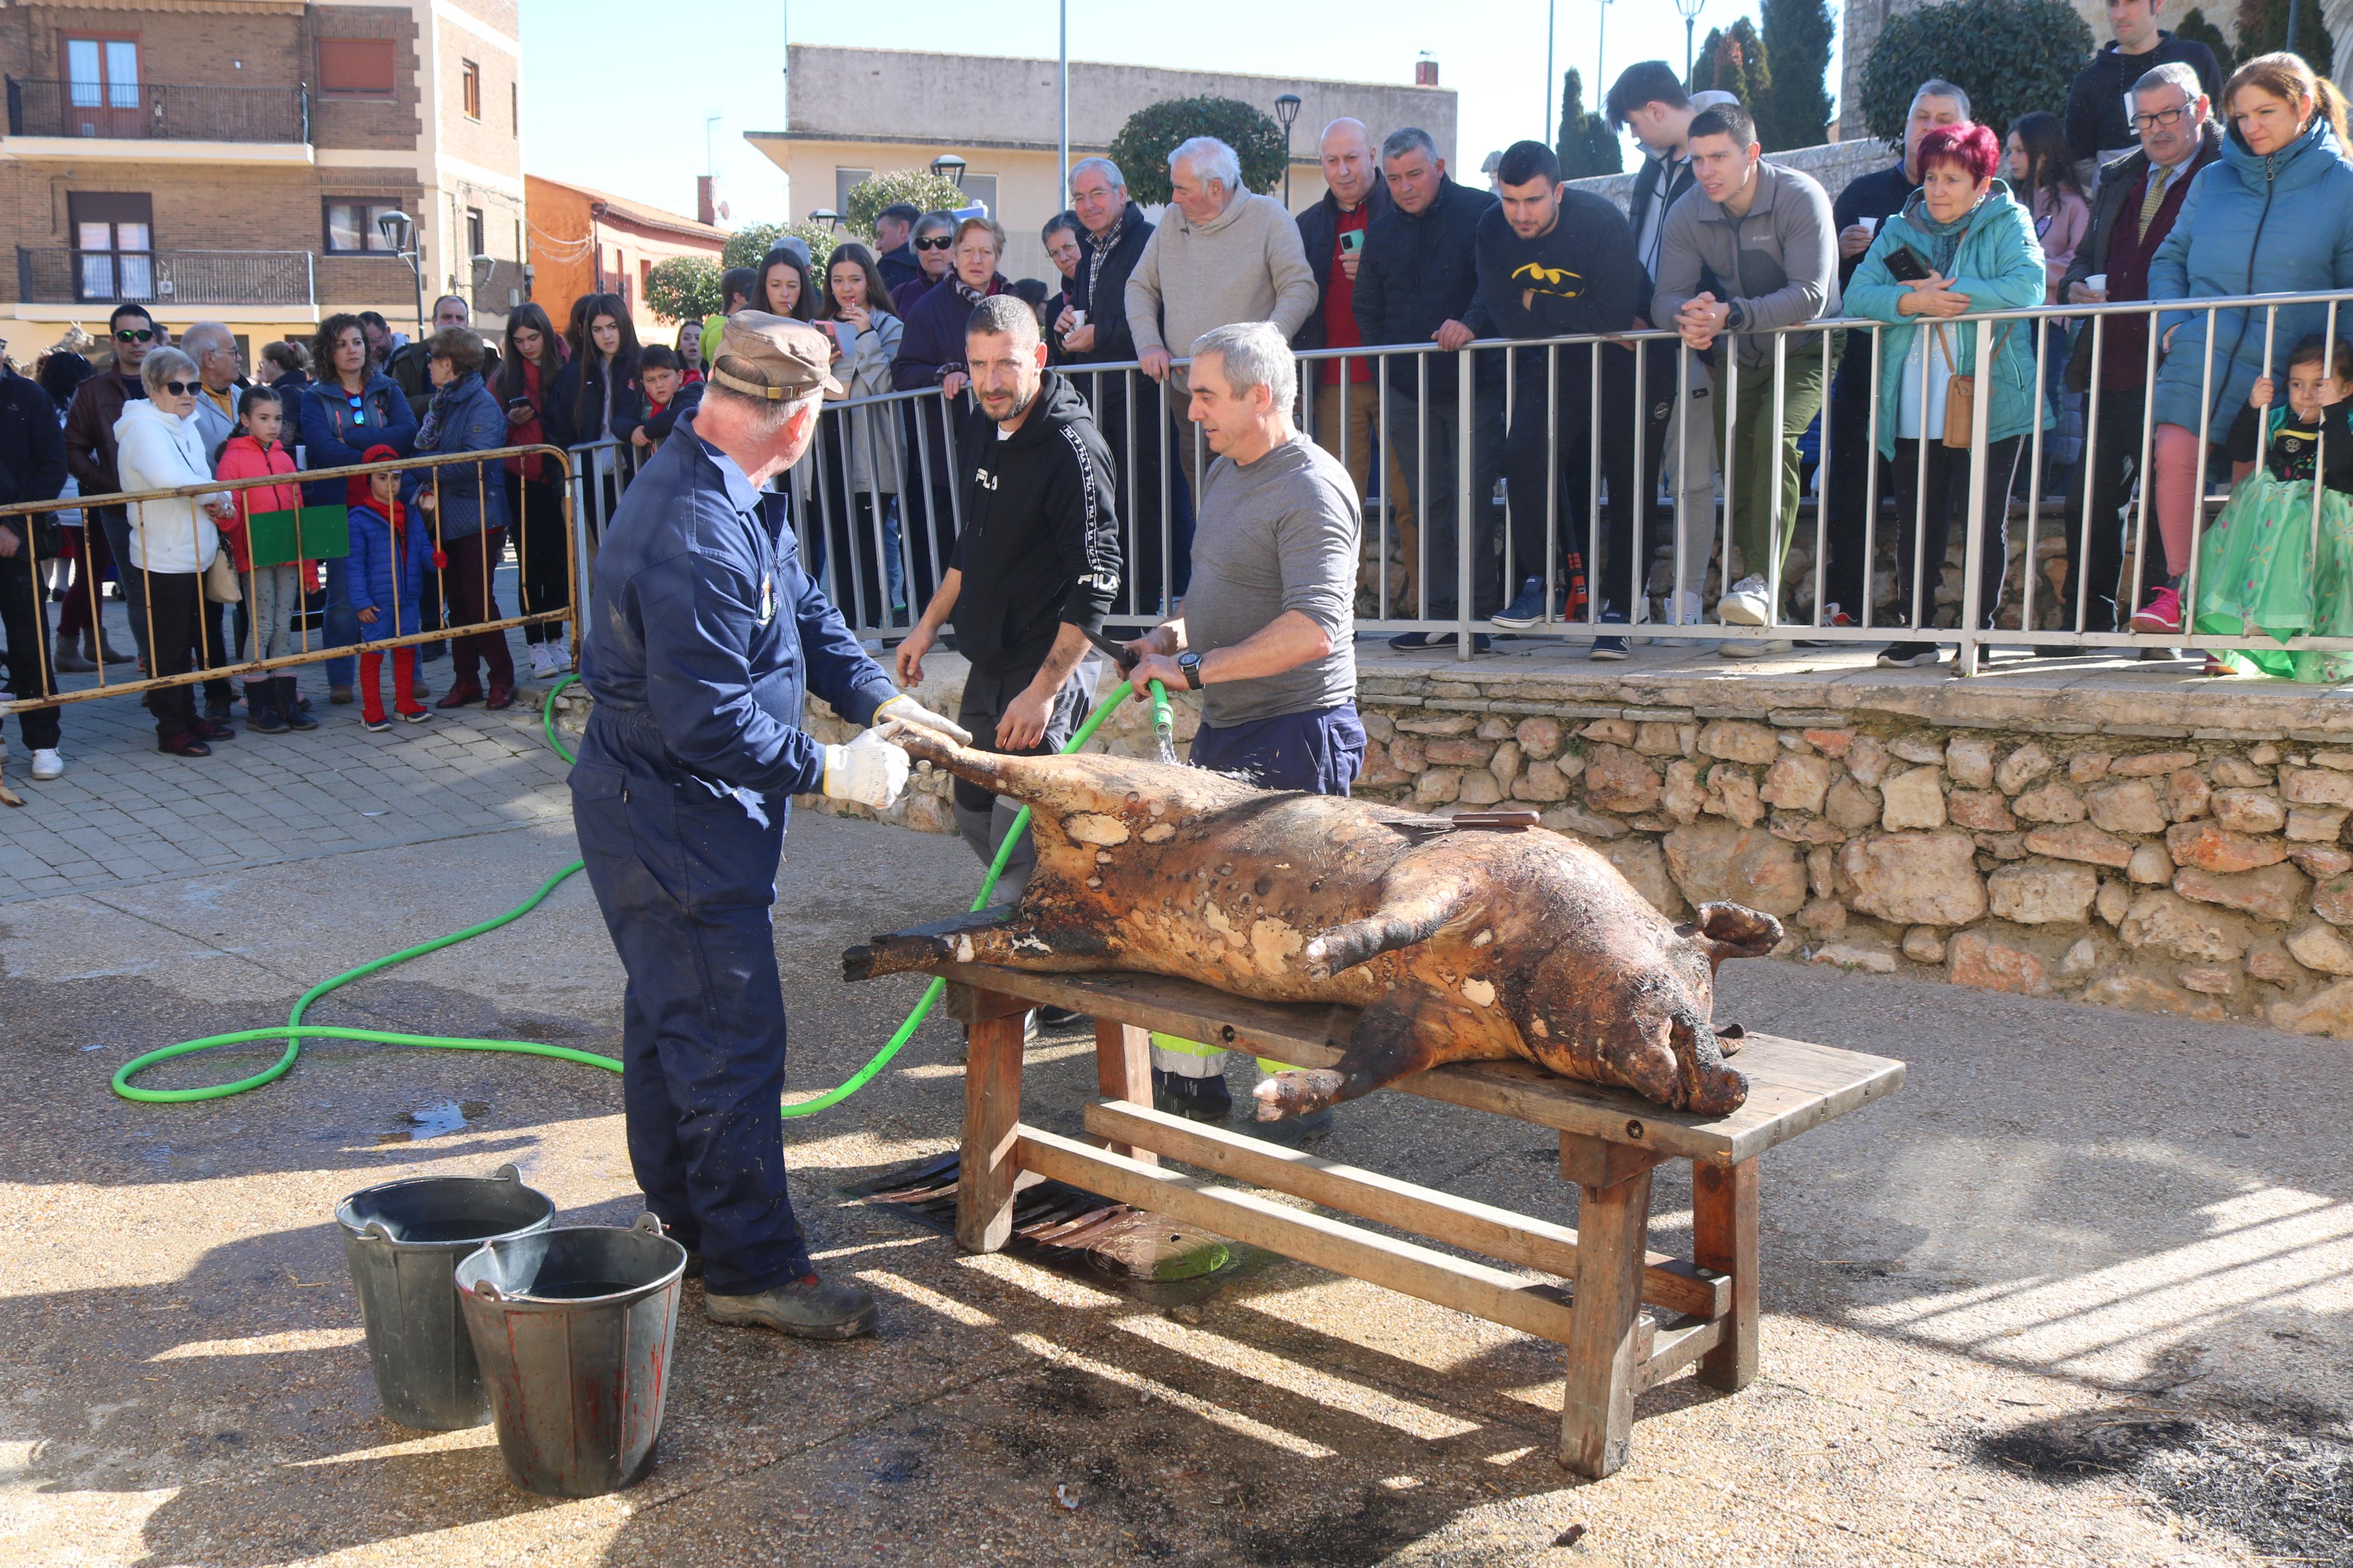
(984, 479)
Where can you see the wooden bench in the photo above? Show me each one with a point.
(1630, 1318)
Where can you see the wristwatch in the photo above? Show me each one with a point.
(1735, 318)
(1190, 663)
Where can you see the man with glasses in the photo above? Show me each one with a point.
(32, 467)
(220, 386)
(2098, 132)
(90, 455)
(2133, 209)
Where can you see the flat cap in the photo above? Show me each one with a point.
(787, 358)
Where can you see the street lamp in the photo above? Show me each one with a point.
(400, 231)
(1689, 10)
(1286, 110)
(825, 215)
(948, 166)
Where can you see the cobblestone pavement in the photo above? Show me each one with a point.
(126, 814)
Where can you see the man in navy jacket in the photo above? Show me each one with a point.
(708, 635)
(32, 467)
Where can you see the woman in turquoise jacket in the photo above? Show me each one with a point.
(1978, 246)
(2273, 214)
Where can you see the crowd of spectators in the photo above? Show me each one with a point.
(2156, 181)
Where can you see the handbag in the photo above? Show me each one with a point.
(1961, 391)
(220, 580)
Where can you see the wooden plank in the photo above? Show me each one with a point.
(1723, 1237)
(1670, 1282)
(1590, 1162)
(992, 1114)
(1609, 1350)
(969, 1004)
(1675, 1347)
(1124, 1073)
(1794, 1086)
(1252, 1218)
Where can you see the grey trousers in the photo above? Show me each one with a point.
(984, 819)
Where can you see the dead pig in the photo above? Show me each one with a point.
(1457, 946)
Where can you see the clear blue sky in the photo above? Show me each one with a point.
(616, 96)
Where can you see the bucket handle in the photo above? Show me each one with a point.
(377, 1230)
(648, 1223)
(486, 1291)
(508, 1172)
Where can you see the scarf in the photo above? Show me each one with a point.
(1944, 239)
(436, 412)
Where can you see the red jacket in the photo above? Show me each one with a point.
(243, 457)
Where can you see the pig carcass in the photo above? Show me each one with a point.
(1456, 945)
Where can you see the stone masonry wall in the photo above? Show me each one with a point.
(2076, 844)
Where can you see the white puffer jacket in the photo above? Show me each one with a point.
(161, 451)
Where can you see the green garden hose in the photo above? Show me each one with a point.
(294, 1031)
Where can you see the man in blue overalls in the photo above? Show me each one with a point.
(708, 634)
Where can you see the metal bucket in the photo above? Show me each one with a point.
(574, 1327)
(403, 1240)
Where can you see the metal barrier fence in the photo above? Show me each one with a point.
(877, 509)
(216, 662)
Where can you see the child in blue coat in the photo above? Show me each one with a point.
(389, 560)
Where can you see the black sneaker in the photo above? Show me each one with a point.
(1908, 655)
(1195, 1099)
(1610, 647)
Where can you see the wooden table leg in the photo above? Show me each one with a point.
(992, 1114)
(1723, 1237)
(1123, 1072)
(1606, 1344)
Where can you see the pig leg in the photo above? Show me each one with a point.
(1015, 944)
(1407, 915)
(1385, 1047)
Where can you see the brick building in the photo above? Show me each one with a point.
(588, 242)
(229, 159)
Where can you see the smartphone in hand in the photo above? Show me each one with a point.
(1905, 265)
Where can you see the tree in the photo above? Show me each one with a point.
(684, 288)
(2263, 30)
(748, 245)
(1142, 147)
(1794, 110)
(1733, 60)
(920, 188)
(1588, 144)
(2009, 55)
(2194, 27)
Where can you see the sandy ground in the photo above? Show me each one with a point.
(2078, 1294)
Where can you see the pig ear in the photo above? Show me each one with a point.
(1736, 931)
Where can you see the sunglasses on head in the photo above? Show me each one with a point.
(937, 242)
(180, 388)
(134, 334)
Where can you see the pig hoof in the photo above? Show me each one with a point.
(1295, 1093)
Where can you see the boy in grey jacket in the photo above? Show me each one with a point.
(1750, 248)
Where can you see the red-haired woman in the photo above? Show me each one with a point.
(1976, 247)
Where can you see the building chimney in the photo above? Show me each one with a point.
(1425, 70)
(703, 210)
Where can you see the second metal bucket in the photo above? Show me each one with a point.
(403, 1240)
(572, 1327)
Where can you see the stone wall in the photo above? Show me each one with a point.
(2128, 847)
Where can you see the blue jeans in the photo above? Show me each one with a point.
(1320, 752)
(343, 624)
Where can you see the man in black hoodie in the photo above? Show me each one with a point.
(2099, 125)
(1035, 568)
(1554, 262)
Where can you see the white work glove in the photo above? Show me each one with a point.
(907, 710)
(870, 771)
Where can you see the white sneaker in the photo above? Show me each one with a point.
(1748, 605)
(47, 764)
(542, 661)
(1686, 610)
(1750, 648)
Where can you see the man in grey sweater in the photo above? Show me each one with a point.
(1265, 634)
(1222, 254)
(1763, 235)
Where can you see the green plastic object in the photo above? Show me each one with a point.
(294, 1031)
(313, 533)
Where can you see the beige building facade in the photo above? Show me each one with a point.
(855, 112)
(228, 160)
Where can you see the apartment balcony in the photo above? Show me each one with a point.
(158, 123)
(229, 285)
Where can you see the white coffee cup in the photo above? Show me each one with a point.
(1871, 223)
(1078, 320)
(2097, 282)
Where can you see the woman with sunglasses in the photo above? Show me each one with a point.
(350, 407)
(934, 240)
(171, 541)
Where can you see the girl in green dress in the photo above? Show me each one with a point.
(2259, 573)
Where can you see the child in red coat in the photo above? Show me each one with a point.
(256, 452)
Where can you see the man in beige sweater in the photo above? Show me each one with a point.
(1221, 256)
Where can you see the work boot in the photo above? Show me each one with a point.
(808, 1308)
